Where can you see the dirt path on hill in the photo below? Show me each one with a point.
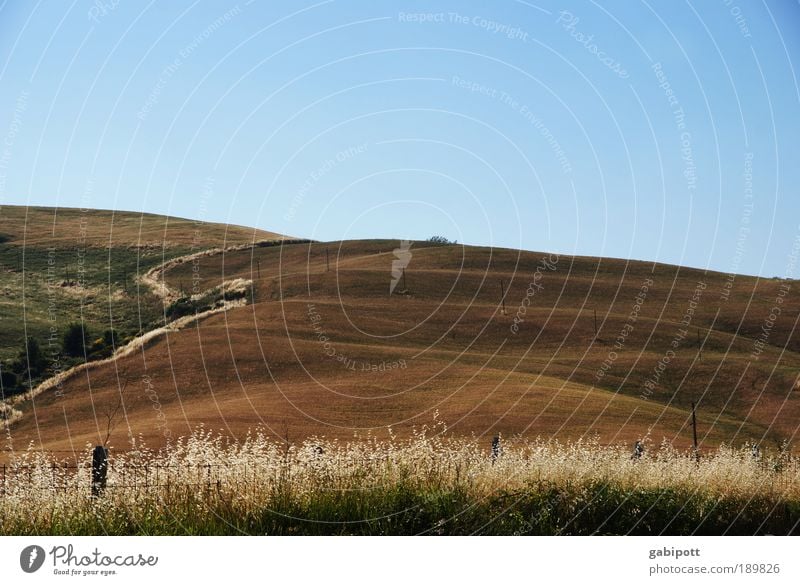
(154, 279)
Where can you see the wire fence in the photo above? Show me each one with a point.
(136, 479)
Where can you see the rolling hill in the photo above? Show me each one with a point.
(487, 340)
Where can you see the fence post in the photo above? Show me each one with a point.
(496, 448)
(99, 470)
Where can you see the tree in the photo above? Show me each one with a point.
(74, 342)
(31, 361)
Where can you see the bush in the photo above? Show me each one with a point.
(74, 342)
(8, 381)
(439, 240)
(184, 306)
(232, 295)
(111, 338)
(31, 361)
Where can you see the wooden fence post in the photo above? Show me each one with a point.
(638, 451)
(496, 448)
(99, 470)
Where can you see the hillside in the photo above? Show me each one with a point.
(62, 266)
(324, 349)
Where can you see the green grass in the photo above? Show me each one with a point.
(408, 509)
(105, 293)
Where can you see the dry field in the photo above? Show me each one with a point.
(326, 351)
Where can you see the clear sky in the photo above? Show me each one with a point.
(664, 131)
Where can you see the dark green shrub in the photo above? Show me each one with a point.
(184, 306)
(8, 382)
(31, 361)
(111, 338)
(75, 340)
(439, 240)
(230, 295)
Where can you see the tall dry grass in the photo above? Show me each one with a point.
(430, 483)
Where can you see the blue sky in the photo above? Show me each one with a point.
(646, 130)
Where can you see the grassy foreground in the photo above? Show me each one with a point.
(425, 485)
